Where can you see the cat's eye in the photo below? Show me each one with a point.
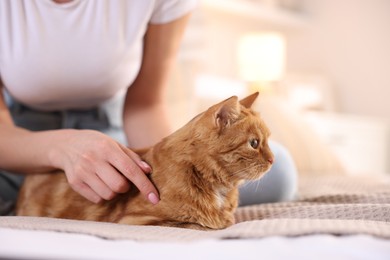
(254, 143)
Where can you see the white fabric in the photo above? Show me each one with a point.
(27, 244)
(77, 54)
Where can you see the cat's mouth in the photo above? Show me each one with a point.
(253, 172)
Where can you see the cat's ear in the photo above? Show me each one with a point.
(249, 100)
(227, 112)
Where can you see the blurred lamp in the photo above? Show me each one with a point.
(261, 59)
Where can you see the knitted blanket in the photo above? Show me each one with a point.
(337, 205)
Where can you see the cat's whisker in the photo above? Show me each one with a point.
(247, 168)
(246, 183)
(258, 184)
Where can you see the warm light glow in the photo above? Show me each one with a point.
(261, 57)
(209, 86)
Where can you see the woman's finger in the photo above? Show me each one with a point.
(135, 157)
(112, 178)
(98, 186)
(84, 190)
(131, 170)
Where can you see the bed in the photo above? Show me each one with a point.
(333, 216)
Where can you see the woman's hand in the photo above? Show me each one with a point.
(98, 167)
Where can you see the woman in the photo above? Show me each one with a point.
(60, 62)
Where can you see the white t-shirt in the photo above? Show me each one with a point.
(62, 56)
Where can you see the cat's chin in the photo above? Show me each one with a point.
(252, 172)
(257, 175)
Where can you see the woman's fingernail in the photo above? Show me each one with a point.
(153, 198)
(146, 166)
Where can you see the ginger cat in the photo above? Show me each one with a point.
(197, 171)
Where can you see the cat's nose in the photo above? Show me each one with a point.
(270, 160)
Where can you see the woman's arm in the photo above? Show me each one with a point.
(5, 117)
(96, 166)
(17, 154)
(145, 118)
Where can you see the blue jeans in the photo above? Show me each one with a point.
(279, 184)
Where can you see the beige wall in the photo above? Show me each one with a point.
(349, 42)
(345, 41)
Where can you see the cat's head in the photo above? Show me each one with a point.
(233, 138)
